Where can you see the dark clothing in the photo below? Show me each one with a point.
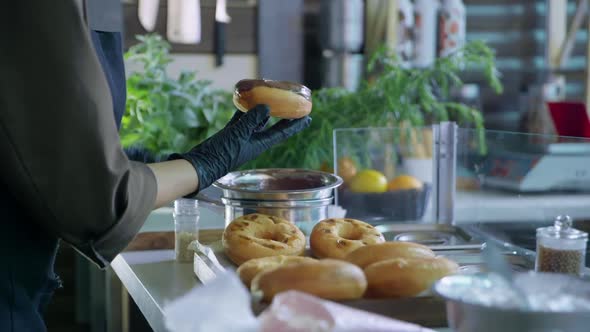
(109, 49)
(104, 15)
(27, 280)
(63, 174)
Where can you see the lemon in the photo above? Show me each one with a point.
(369, 181)
(404, 182)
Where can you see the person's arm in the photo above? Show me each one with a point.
(62, 159)
(242, 139)
(175, 178)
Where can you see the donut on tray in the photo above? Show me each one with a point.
(327, 278)
(253, 267)
(258, 235)
(337, 237)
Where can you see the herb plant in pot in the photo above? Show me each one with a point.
(412, 100)
(166, 114)
(422, 98)
(393, 96)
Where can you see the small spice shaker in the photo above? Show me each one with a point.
(561, 248)
(186, 228)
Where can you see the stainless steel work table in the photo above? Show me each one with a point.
(153, 278)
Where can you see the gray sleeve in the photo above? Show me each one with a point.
(59, 146)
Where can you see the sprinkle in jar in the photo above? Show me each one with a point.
(561, 248)
(186, 228)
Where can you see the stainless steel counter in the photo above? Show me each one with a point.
(153, 278)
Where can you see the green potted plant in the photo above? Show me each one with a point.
(173, 114)
(396, 96)
(166, 114)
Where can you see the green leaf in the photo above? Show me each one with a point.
(209, 115)
(190, 118)
(168, 114)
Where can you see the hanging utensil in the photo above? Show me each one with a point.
(221, 20)
(147, 11)
(184, 21)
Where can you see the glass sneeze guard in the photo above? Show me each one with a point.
(502, 177)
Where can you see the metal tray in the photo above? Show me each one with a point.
(211, 260)
(426, 309)
(435, 236)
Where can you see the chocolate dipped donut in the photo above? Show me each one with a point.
(286, 100)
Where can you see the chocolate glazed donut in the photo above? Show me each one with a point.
(286, 100)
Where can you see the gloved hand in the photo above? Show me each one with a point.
(240, 141)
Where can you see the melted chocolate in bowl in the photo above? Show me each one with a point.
(273, 181)
(289, 184)
(281, 183)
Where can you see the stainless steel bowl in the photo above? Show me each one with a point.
(298, 195)
(278, 184)
(473, 303)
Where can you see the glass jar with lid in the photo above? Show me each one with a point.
(561, 248)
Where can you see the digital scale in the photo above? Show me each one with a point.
(543, 166)
(560, 167)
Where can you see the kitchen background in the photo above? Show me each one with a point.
(283, 40)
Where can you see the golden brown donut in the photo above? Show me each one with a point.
(328, 278)
(259, 235)
(336, 237)
(251, 268)
(286, 100)
(405, 277)
(372, 253)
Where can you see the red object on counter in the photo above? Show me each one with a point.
(570, 118)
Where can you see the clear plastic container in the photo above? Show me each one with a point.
(186, 228)
(561, 248)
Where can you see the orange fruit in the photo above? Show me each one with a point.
(368, 181)
(346, 168)
(404, 182)
(326, 168)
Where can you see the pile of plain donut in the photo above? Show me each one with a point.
(352, 259)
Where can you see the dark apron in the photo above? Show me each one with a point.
(109, 48)
(27, 253)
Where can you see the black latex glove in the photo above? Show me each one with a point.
(240, 141)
